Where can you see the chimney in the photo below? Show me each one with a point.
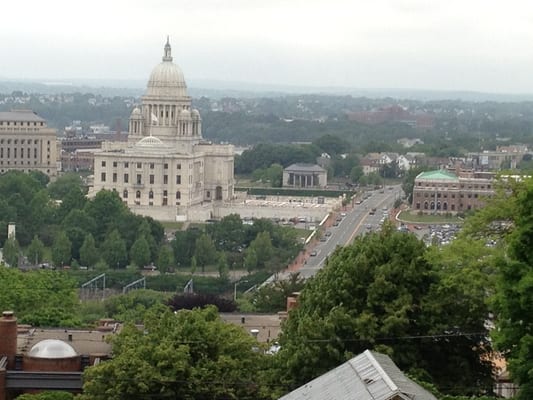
(8, 337)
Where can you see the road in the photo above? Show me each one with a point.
(356, 222)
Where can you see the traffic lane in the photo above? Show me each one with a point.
(352, 224)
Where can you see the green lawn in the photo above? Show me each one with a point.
(412, 217)
(172, 225)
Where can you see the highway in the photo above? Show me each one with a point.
(355, 222)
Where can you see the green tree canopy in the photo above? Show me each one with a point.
(107, 208)
(140, 252)
(61, 250)
(11, 251)
(187, 355)
(205, 251)
(381, 293)
(88, 253)
(35, 250)
(114, 251)
(64, 184)
(165, 260)
(511, 215)
(48, 395)
(228, 233)
(41, 297)
(262, 246)
(332, 144)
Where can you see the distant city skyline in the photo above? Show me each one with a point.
(454, 45)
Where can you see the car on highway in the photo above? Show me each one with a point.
(323, 239)
(313, 253)
(328, 233)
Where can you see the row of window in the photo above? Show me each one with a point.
(8, 152)
(29, 170)
(164, 201)
(8, 123)
(22, 141)
(139, 165)
(138, 181)
(125, 194)
(445, 195)
(21, 162)
(454, 186)
(439, 206)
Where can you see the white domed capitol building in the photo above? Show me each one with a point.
(166, 170)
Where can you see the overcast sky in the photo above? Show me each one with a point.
(481, 45)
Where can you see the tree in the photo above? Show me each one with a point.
(514, 297)
(194, 265)
(274, 175)
(88, 253)
(40, 177)
(204, 251)
(107, 208)
(408, 183)
(11, 251)
(228, 233)
(272, 298)
(132, 306)
(332, 144)
(64, 184)
(61, 250)
(250, 260)
(223, 268)
(48, 395)
(165, 259)
(40, 209)
(114, 250)
(35, 250)
(145, 230)
(183, 245)
(74, 199)
(262, 246)
(140, 252)
(42, 297)
(380, 293)
(187, 355)
(356, 173)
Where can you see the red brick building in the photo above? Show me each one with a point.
(441, 191)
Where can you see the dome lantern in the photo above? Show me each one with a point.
(168, 49)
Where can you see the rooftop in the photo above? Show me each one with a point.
(369, 376)
(82, 341)
(20, 116)
(268, 325)
(439, 174)
(302, 167)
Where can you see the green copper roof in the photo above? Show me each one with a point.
(437, 175)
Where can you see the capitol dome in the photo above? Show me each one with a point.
(52, 348)
(166, 79)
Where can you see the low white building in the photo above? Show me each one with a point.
(305, 176)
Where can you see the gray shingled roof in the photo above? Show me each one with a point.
(369, 376)
(301, 167)
(20, 116)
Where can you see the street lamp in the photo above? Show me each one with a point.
(235, 289)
